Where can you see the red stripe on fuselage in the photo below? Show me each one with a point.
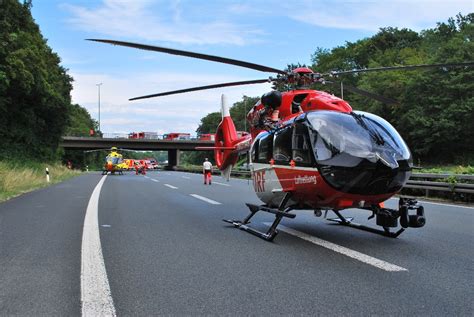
(310, 189)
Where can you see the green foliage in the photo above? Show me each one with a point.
(209, 123)
(436, 107)
(196, 157)
(80, 122)
(458, 169)
(17, 177)
(34, 88)
(238, 113)
(240, 110)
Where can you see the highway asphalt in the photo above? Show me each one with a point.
(167, 252)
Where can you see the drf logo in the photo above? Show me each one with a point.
(259, 181)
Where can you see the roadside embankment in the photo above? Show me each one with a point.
(16, 179)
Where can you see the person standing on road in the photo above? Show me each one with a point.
(207, 171)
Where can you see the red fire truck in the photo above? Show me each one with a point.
(207, 137)
(177, 136)
(143, 135)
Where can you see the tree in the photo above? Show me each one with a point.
(80, 122)
(435, 109)
(35, 89)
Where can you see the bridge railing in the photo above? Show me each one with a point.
(119, 135)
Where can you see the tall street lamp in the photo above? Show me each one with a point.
(98, 86)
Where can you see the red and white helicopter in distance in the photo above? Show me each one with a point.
(310, 150)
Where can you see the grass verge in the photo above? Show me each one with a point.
(16, 179)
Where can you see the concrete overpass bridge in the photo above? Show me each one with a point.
(172, 146)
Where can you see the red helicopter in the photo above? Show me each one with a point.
(310, 150)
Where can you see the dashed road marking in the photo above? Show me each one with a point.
(170, 186)
(96, 299)
(221, 184)
(186, 177)
(213, 202)
(154, 180)
(380, 264)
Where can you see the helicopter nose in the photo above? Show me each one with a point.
(371, 179)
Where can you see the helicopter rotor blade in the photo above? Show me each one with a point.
(109, 150)
(126, 150)
(236, 83)
(366, 93)
(193, 55)
(369, 94)
(407, 67)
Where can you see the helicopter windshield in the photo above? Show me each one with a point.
(113, 159)
(346, 140)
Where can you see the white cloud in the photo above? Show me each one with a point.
(372, 14)
(157, 21)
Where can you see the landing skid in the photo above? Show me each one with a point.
(279, 214)
(349, 223)
(385, 218)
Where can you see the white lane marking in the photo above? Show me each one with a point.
(185, 177)
(170, 186)
(169, 174)
(221, 184)
(96, 298)
(439, 204)
(213, 202)
(154, 180)
(343, 250)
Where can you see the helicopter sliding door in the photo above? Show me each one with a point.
(282, 160)
(301, 146)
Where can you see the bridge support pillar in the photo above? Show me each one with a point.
(173, 160)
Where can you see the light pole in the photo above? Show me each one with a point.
(245, 114)
(98, 86)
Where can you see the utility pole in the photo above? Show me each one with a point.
(98, 86)
(245, 114)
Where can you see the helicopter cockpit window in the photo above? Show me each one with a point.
(282, 145)
(301, 145)
(265, 148)
(114, 159)
(342, 139)
(254, 151)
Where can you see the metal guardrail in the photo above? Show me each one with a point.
(451, 183)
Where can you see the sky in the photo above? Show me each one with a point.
(266, 32)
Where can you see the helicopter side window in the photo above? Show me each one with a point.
(254, 151)
(282, 145)
(265, 148)
(296, 103)
(301, 146)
